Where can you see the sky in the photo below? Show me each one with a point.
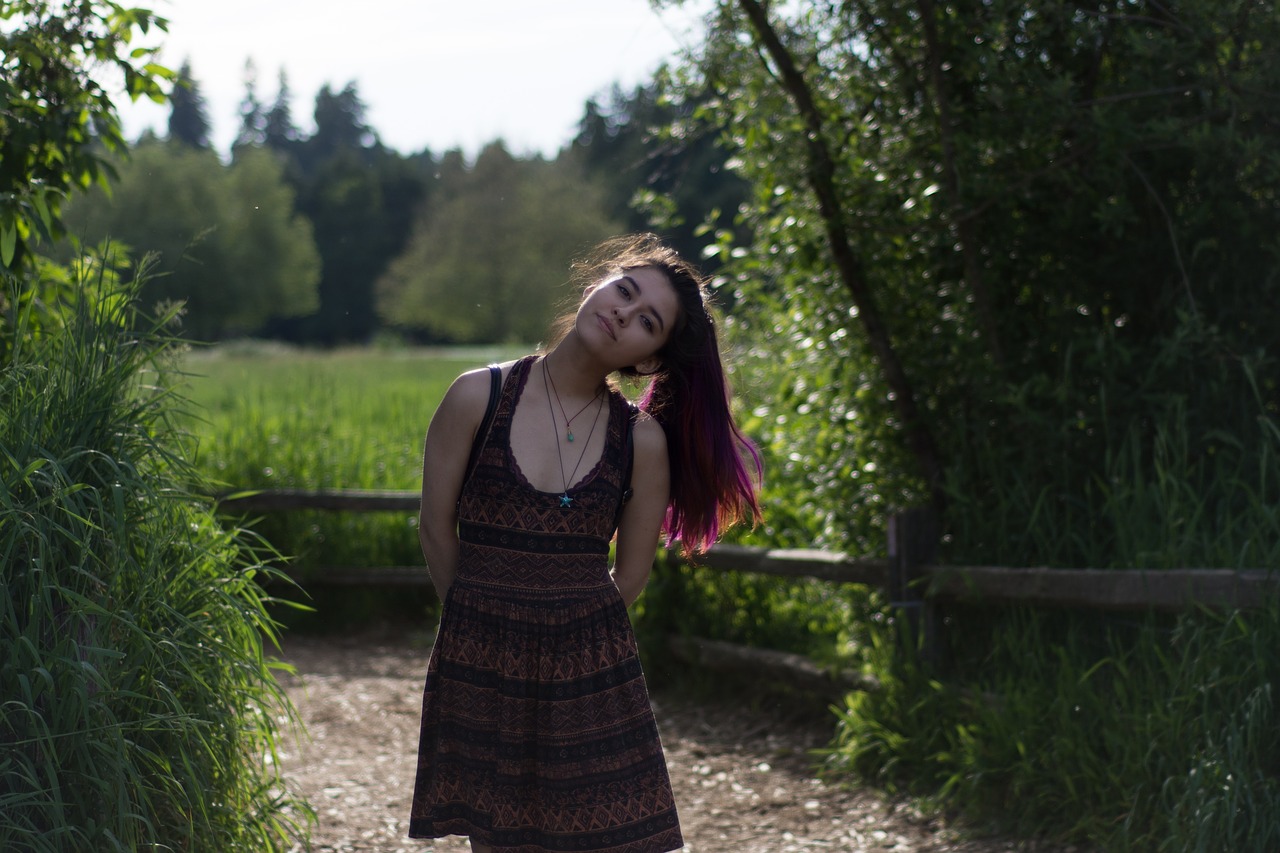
(433, 74)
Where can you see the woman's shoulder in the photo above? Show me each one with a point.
(476, 382)
(468, 395)
(648, 435)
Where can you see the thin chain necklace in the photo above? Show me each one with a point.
(565, 500)
(568, 421)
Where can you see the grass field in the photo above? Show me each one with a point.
(266, 416)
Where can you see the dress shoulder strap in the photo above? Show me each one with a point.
(482, 434)
(628, 460)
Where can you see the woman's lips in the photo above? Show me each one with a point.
(608, 326)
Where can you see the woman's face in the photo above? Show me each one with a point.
(629, 317)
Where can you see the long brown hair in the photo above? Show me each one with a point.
(715, 469)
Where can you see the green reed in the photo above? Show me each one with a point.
(140, 708)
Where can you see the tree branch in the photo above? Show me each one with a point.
(820, 171)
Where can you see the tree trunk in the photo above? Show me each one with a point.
(820, 171)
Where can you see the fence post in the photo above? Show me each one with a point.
(913, 542)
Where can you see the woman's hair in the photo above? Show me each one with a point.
(712, 481)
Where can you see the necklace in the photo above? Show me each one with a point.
(565, 500)
(568, 421)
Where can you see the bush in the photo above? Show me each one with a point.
(1137, 735)
(139, 706)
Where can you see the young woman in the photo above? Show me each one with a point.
(537, 732)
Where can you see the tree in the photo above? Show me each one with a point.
(279, 131)
(188, 120)
(960, 209)
(59, 128)
(231, 245)
(253, 116)
(487, 260)
(660, 155)
(361, 198)
(1022, 261)
(340, 124)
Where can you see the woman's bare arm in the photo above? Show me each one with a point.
(444, 464)
(641, 522)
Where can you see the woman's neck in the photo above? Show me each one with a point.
(575, 374)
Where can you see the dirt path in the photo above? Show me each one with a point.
(743, 781)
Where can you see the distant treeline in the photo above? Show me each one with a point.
(334, 238)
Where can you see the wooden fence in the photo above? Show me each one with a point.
(914, 583)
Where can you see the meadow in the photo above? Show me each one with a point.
(264, 416)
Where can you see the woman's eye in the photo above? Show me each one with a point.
(625, 292)
(648, 324)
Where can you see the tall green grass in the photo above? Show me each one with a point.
(274, 417)
(1141, 735)
(138, 705)
(1134, 732)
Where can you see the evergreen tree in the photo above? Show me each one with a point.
(188, 119)
(340, 126)
(279, 132)
(361, 198)
(361, 203)
(253, 116)
(661, 159)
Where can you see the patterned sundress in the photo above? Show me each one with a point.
(537, 731)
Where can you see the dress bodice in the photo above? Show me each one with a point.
(513, 534)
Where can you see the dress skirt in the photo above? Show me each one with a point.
(537, 730)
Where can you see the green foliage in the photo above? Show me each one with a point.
(42, 299)
(1186, 476)
(1136, 733)
(1049, 226)
(58, 126)
(232, 248)
(1133, 735)
(488, 257)
(140, 710)
(362, 204)
(663, 162)
(1065, 219)
(361, 199)
(823, 621)
(347, 419)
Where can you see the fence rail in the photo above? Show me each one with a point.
(910, 577)
(336, 500)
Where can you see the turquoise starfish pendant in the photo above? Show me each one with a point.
(565, 500)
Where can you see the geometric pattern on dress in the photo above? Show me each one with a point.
(537, 731)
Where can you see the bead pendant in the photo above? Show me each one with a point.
(569, 435)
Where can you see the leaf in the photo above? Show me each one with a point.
(8, 244)
(42, 208)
